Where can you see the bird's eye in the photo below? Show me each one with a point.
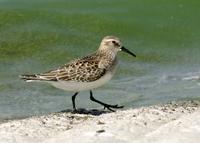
(115, 43)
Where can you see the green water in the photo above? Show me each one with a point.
(36, 36)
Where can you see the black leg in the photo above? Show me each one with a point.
(104, 104)
(73, 101)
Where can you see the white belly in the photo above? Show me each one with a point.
(80, 86)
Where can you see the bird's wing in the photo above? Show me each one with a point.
(86, 69)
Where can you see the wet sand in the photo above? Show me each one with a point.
(175, 122)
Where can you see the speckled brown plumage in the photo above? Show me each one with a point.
(86, 73)
(86, 69)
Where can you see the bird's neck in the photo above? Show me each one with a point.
(110, 55)
(108, 58)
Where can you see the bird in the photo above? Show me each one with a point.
(85, 73)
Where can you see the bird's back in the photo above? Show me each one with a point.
(86, 69)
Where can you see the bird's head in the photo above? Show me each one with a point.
(112, 45)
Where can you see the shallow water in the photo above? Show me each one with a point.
(37, 36)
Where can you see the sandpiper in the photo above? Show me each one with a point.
(85, 73)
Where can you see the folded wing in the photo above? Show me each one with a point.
(86, 69)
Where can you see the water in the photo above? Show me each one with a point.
(36, 36)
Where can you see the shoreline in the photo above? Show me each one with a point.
(172, 122)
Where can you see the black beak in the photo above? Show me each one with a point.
(127, 51)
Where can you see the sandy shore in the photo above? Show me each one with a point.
(177, 122)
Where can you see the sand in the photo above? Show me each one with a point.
(176, 122)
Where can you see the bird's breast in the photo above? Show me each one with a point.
(81, 86)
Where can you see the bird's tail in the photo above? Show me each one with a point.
(29, 78)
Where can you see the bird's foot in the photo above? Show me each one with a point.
(112, 106)
(75, 111)
(108, 106)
